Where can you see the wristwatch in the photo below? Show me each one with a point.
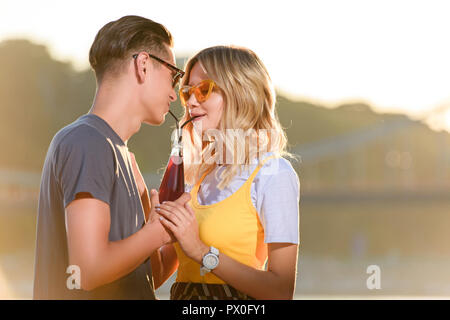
(210, 261)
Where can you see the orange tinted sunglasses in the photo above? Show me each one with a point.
(202, 91)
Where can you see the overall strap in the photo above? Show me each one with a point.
(260, 165)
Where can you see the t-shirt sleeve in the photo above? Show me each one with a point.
(85, 164)
(280, 208)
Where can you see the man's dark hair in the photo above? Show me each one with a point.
(120, 39)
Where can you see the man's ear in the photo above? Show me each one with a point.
(141, 67)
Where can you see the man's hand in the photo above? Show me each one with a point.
(137, 175)
(154, 204)
(101, 261)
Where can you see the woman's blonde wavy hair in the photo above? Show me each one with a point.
(249, 104)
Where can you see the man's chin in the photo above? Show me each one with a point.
(155, 122)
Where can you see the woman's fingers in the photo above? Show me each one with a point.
(181, 221)
(169, 225)
(169, 215)
(190, 210)
(177, 209)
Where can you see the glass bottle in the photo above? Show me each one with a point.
(172, 184)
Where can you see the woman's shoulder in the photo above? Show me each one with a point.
(276, 165)
(276, 171)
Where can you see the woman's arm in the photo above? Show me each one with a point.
(278, 282)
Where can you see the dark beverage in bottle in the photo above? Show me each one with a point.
(172, 184)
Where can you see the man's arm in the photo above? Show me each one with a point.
(102, 261)
(164, 264)
(164, 261)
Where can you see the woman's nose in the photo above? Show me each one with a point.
(192, 101)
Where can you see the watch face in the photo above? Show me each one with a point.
(210, 261)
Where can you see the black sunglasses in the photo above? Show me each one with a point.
(178, 72)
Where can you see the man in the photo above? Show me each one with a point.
(95, 227)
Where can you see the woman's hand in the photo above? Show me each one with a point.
(181, 221)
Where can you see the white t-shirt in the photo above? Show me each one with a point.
(275, 193)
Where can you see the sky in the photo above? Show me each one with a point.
(393, 55)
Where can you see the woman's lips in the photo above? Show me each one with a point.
(196, 118)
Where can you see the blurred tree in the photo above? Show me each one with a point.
(39, 95)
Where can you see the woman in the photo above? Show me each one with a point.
(244, 208)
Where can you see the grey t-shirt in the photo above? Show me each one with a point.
(87, 156)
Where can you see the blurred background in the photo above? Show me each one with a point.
(363, 92)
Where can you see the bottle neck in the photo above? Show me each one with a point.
(177, 150)
(177, 144)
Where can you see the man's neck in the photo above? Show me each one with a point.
(115, 105)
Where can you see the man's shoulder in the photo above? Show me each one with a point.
(80, 134)
(79, 141)
(80, 144)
